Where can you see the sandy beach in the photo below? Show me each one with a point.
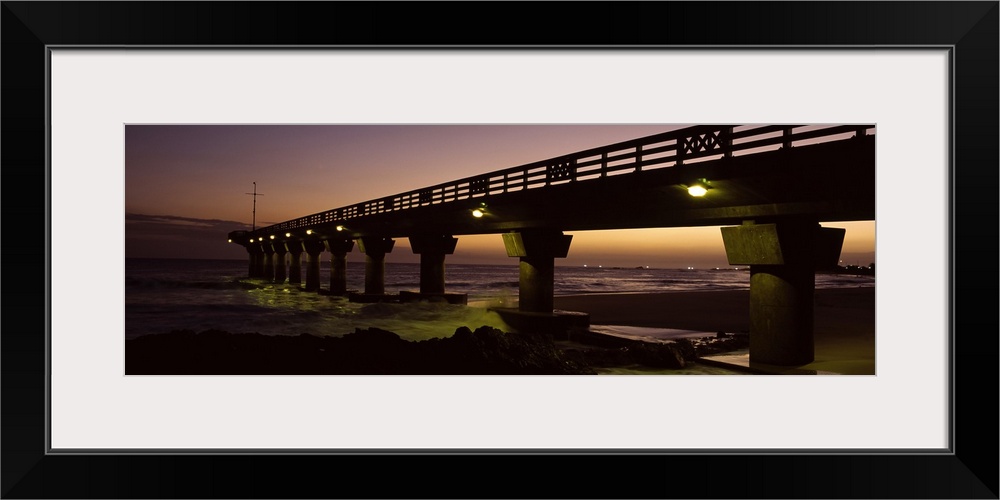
(844, 320)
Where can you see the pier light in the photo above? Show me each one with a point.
(698, 188)
(480, 210)
(340, 228)
(272, 236)
(309, 231)
(288, 235)
(260, 239)
(230, 240)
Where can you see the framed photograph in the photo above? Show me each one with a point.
(111, 107)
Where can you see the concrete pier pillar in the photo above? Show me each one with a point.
(432, 250)
(537, 250)
(313, 249)
(280, 266)
(783, 257)
(375, 248)
(261, 252)
(536, 284)
(432, 273)
(294, 261)
(268, 261)
(253, 254)
(338, 249)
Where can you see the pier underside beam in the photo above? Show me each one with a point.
(313, 249)
(375, 248)
(783, 258)
(339, 248)
(537, 251)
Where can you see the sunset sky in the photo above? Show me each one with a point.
(186, 186)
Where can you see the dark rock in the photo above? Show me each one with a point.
(364, 352)
(657, 355)
(372, 351)
(491, 351)
(607, 358)
(686, 348)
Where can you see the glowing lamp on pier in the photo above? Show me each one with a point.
(309, 231)
(479, 211)
(288, 235)
(272, 236)
(230, 240)
(340, 228)
(698, 188)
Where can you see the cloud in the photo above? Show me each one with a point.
(184, 221)
(171, 236)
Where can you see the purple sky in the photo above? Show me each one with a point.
(185, 186)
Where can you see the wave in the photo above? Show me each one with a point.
(502, 284)
(134, 282)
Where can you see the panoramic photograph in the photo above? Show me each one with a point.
(578, 249)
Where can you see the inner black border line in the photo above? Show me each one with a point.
(464, 48)
(950, 171)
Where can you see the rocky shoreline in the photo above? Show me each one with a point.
(371, 351)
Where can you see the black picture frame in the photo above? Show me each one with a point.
(969, 29)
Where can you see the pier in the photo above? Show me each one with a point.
(770, 188)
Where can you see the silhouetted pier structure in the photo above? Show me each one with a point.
(771, 187)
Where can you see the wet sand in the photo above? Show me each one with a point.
(844, 320)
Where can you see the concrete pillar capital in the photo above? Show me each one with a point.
(294, 247)
(339, 245)
(537, 243)
(313, 247)
(433, 244)
(783, 243)
(375, 246)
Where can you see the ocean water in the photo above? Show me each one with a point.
(162, 295)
